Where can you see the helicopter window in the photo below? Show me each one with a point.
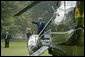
(71, 3)
(61, 10)
(68, 4)
(65, 21)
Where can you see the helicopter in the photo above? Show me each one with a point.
(70, 40)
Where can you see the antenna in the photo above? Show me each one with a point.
(53, 8)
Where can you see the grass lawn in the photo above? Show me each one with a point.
(19, 48)
(16, 48)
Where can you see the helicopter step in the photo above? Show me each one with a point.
(40, 51)
(46, 40)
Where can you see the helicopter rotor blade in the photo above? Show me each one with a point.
(26, 8)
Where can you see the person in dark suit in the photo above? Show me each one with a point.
(7, 40)
(40, 25)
